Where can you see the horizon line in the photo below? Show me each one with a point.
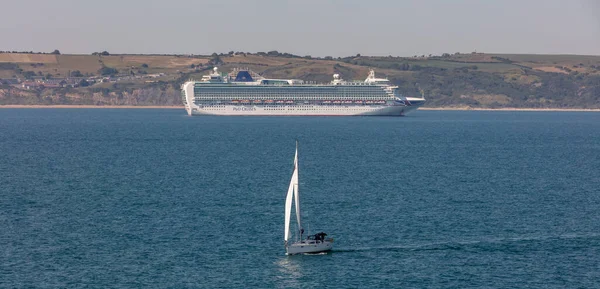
(265, 53)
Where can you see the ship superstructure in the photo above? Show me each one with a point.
(243, 92)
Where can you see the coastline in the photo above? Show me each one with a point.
(92, 106)
(512, 109)
(182, 107)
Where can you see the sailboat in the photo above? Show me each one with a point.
(313, 243)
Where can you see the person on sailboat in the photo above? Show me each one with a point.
(320, 236)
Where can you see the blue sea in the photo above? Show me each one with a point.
(143, 198)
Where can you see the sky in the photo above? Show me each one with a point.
(308, 27)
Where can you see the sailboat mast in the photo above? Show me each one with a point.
(297, 192)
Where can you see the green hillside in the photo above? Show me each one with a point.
(476, 79)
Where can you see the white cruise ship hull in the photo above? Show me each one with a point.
(219, 95)
(299, 110)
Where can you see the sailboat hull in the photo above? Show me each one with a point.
(308, 247)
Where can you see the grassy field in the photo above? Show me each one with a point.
(28, 58)
(60, 65)
(563, 59)
(473, 79)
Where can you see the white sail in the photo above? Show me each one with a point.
(288, 207)
(297, 193)
(292, 194)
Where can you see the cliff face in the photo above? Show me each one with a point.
(134, 97)
(9, 95)
(475, 80)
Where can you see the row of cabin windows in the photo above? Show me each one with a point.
(371, 97)
(295, 87)
(237, 87)
(292, 95)
(271, 92)
(330, 109)
(288, 95)
(286, 90)
(296, 105)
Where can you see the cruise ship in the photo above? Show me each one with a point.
(244, 92)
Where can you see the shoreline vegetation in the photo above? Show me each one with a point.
(513, 109)
(75, 106)
(466, 81)
(16, 106)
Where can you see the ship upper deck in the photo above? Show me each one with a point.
(249, 85)
(246, 77)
